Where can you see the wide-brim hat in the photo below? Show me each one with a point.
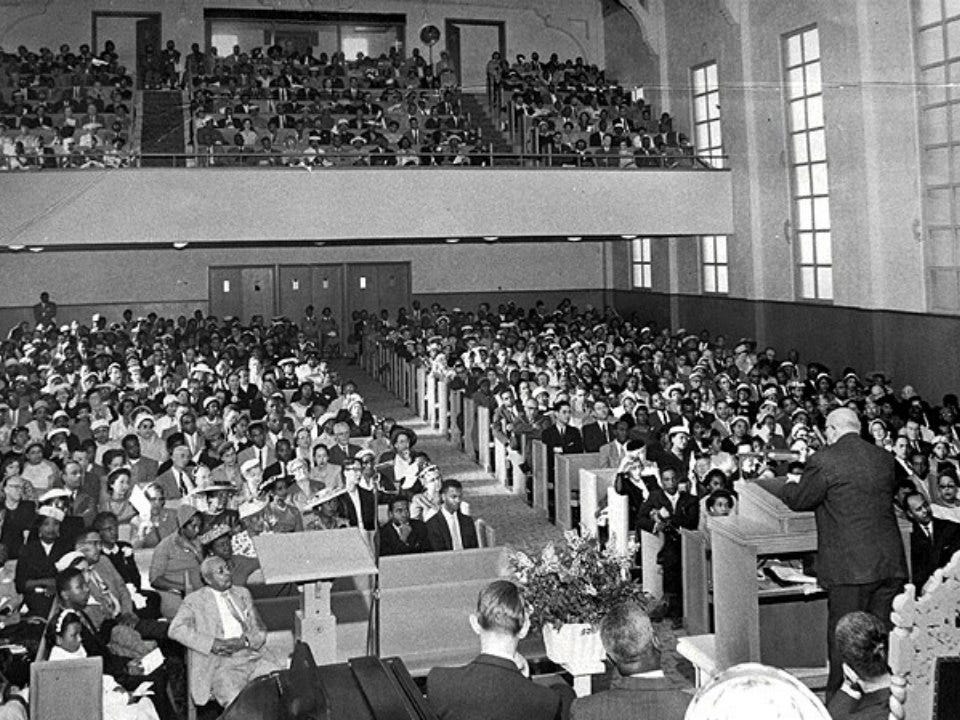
(323, 496)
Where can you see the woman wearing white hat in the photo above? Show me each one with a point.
(151, 445)
(36, 567)
(322, 511)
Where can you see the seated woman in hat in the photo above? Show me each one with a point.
(323, 473)
(41, 473)
(399, 467)
(70, 525)
(278, 515)
(322, 511)
(36, 567)
(427, 503)
(218, 542)
(175, 566)
(214, 500)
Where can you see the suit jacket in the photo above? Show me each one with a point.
(611, 454)
(633, 697)
(594, 438)
(143, 471)
(489, 687)
(438, 533)
(197, 624)
(171, 486)
(367, 507)
(338, 456)
(850, 486)
(928, 554)
(416, 542)
(570, 442)
(686, 514)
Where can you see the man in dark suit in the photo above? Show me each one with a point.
(638, 689)
(614, 451)
(850, 486)
(561, 438)
(401, 535)
(450, 529)
(494, 678)
(932, 542)
(143, 470)
(598, 433)
(344, 449)
(664, 512)
(357, 502)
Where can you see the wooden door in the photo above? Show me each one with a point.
(296, 290)
(361, 288)
(148, 34)
(328, 292)
(224, 292)
(393, 286)
(257, 291)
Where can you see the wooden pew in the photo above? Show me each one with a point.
(422, 411)
(484, 438)
(410, 371)
(695, 549)
(501, 471)
(567, 475)
(456, 417)
(66, 689)
(443, 408)
(538, 463)
(618, 525)
(470, 428)
(431, 389)
(594, 484)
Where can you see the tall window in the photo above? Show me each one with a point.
(706, 113)
(938, 61)
(642, 264)
(713, 254)
(808, 164)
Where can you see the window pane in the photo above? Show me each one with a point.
(800, 148)
(818, 149)
(715, 139)
(953, 38)
(825, 283)
(942, 247)
(818, 175)
(637, 249)
(712, 76)
(713, 105)
(933, 125)
(956, 163)
(821, 213)
(709, 279)
(645, 247)
(722, 280)
(703, 137)
(811, 45)
(807, 287)
(647, 276)
(815, 111)
(721, 244)
(795, 83)
(930, 45)
(814, 86)
(805, 241)
(700, 108)
(938, 207)
(797, 116)
(794, 52)
(699, 80)
(805, 214)
(933, 83)
(707, 243)
(824, 252)
(928, 11)
(801, 174)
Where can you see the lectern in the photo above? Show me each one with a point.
(313, 560)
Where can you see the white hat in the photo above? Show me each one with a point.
(677, 430)
(99, 423)
(168, 399)
(141, 417)
(53, 494)
(323, 496)
(68, 559)
(51, 512)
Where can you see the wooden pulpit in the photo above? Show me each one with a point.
(313, 560)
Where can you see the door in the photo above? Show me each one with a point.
(224, 292)
(393, 287)
(453, 49)
(257, 290)
(328, 293)
(471, 43)
(148, 34)
(296, 290)
(362, 289)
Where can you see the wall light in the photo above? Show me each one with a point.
(180, 245)
(35, 249)
(629, 237)
(16, 248)
(574, 238)
(453, 241)
(491, 238)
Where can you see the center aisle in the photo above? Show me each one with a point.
(517, 525)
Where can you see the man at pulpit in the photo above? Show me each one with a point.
(850, 486)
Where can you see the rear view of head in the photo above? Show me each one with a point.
(500, 610)
(862, 642)
(628, 639)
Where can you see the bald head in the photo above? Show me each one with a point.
(842, 421)
(216, 573)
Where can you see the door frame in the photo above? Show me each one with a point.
(448, 24)
(131, 14)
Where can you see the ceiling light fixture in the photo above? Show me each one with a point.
(629, 237)
(574, 238)
(180, 245)
(453, 241)
(16, 248)
(491, 238)
(35, 249)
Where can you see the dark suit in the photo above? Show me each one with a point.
(633, 697)
(143, 471)
(489, 688)
(337, 456)
(438, 532)
(850, 486)
(416, 542)
(367, 507)
(685, 514)
(570, 442)
(35, 564)
(927, 554)
(595, 437)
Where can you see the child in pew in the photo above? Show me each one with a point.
(63, 639)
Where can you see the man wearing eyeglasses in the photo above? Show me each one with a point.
(850, 486)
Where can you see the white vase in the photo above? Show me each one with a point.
(575, 646)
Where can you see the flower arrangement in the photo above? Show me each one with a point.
(575, 581)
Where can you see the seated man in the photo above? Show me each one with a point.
(401, 535)
(932, 542)
(638, 687)
(224, 635)
(450, 529)
(496, 677)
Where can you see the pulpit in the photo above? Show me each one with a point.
(313, 560)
